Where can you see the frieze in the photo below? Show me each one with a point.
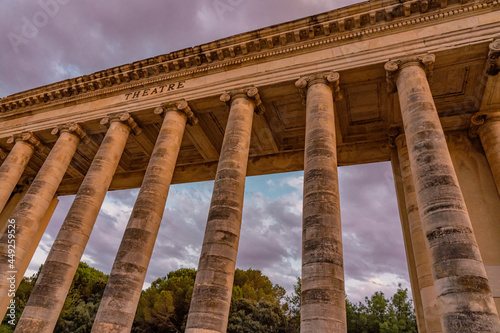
(154, 91)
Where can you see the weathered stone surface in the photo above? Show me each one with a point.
(15, 163)
(460, 280)
(35, 203)
(52, 286)
(489, 133)
(121, 296)
(431, 311)
(209, 310)
(323, 296)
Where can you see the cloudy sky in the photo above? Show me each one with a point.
(45, 41)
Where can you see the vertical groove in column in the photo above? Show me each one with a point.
(323, 295)
(209, 310)
(52, 286)
(13, 166)
(460, 280)
(121, 296)
(35, 203)
(427, 291)
(489, 133)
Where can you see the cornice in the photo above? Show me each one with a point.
(335, 27)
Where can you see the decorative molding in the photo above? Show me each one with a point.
(393, 133)
(73, 128)
(392, 68)
(272, 42)
(3, 154)
(251, 93)
(179, 106)
(29, 138)
(475, 122)
(125, 118)
(329, 78)
(493, 62)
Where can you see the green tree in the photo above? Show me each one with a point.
(22, 295)
(80, 307)
(164, 306)
(247, 316)
(292, 307)
(256, 304)
(82, 302)
(381, 315)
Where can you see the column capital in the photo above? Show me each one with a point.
(251, 93)
(179, 106)
(493, 62)
(3, 154)
(392, 68)
(27, 137)
(393, 134)
(123, 117)
(329, 78)
(479, 119)
(72, 128)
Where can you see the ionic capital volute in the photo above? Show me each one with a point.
(329, 78)
(250, 93)
(3, 154)
(73, 128)
(393, 67)
(178, 106)
(27, 137)
(477, 120)
(393, 134)
(125, 118)
(493, 62)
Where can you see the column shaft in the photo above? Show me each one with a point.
(323, 296)
(209, 310)
(52, 286)
(410, 255)
(460, 280)
(34, 205)
(123, 290)
(13, 167)
(489, 133)
(427, 291)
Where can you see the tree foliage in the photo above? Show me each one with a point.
(80, 307)
(257, 305)
(381, 315)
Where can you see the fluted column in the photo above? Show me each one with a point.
(35, 203)
(209, 310)
(431, 311)
(489, 133)
(15, 163)
(53, 283)
(322, 307)
(462, 288)
(121, 296)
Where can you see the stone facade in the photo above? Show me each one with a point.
(414, 82)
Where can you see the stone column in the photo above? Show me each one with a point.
(322, 306)
(431, 311)
(209, 310)
(462, 288)
(15, 163)
(488, 128)
(121, 296)
(35, 203)
(52, 286)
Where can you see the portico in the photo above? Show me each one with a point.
(415, 83)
